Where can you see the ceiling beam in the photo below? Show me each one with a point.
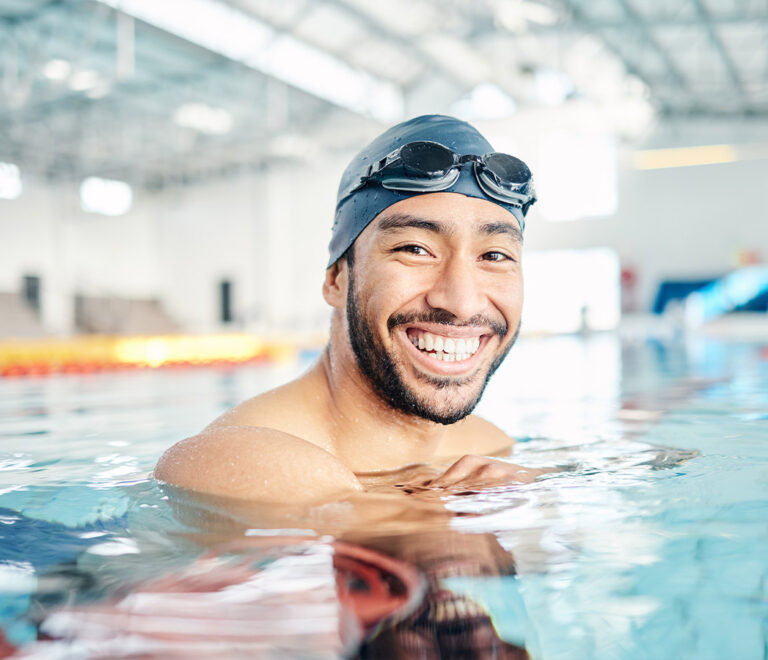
(637, 20)
(408, 45)
(575, 12)
(730, 67)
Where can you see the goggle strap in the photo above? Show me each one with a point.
(492, 189)
(426, 184)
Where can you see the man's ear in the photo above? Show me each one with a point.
(335, 284)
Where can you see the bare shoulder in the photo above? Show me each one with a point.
(475, 435)
(256, 463)
(295, 408)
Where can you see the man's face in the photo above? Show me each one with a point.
(434, 301)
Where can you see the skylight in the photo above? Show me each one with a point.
(242, 38)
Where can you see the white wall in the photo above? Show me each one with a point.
(45, 233)
(266, 232)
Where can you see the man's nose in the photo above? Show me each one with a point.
(458, 288)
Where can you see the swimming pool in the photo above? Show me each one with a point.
(649, 543)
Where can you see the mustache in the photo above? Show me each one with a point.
(444, 317)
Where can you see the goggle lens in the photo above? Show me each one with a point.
(426, 158)
(507, 168)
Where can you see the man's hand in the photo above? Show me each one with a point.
(472, 472)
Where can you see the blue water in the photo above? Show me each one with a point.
(651, 542)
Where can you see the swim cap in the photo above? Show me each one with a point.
(355, 208)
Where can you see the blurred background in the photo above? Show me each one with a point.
(169, 167)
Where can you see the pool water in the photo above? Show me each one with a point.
(649, 542)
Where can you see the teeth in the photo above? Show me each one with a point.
(448, 610)
(458, 349)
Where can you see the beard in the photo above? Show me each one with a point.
(384, 372)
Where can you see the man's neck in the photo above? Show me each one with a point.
(367, 434)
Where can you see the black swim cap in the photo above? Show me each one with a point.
(355, 208)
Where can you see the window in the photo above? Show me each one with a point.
(225, 301)
(571, 290)
(576, 176)
(30, 292)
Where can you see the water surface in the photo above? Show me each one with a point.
(648, 543)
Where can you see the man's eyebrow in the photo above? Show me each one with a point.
(397, 221)
(493, 228)
(403, 221)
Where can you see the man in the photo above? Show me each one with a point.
(426, 286)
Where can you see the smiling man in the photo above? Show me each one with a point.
(426, 287)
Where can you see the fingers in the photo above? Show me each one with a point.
(477, 471)
(459, 471)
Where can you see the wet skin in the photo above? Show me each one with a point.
(441, 264)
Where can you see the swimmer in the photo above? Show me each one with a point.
(426, 286)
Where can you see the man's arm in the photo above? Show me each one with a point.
(256, 463)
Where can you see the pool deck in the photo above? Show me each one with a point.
(22, 357)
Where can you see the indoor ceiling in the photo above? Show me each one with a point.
(161, 93)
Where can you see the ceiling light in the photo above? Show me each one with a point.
(293, 145)
(458, 56)
(516, 14)
(328, 77)
(486, 101)
(203, 118)
(81, 81)
(652, 159)
(242, 38)
(10, 181)
(538, 13)
(552, 87)
(57, 69)
(99, 91)
(105, 196)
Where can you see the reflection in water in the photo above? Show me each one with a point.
(278, 596)
(446, 624)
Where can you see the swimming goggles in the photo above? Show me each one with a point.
(430, 167)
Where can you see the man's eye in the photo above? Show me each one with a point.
(413, 249)
(496, 256)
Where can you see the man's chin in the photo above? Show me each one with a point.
(445, 400)
(454, 384)
(441, 415)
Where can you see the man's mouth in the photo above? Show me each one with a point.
(439, 347)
